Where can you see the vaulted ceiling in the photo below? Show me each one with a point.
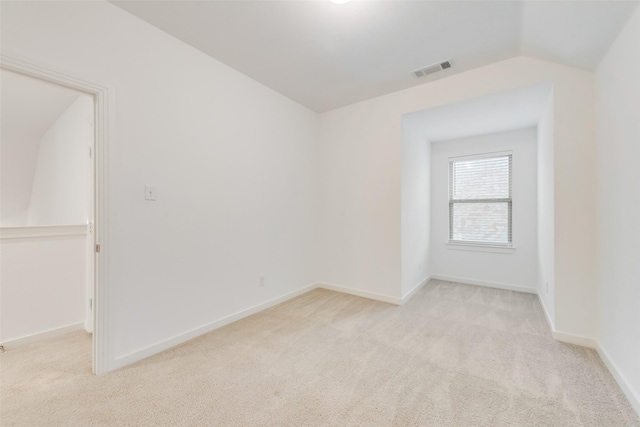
(325, 55)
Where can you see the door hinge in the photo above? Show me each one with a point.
(97, 248)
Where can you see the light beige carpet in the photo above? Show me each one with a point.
(455, 355)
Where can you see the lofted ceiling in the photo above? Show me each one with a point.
(325, 55)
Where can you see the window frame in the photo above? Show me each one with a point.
(509, 201)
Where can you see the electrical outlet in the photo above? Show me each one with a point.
(261, 281)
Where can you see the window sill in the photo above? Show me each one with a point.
(498, 249)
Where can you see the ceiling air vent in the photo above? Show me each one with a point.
(425, 71)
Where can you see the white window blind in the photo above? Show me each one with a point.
(480, 199)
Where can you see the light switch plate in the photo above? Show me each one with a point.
(150, 192)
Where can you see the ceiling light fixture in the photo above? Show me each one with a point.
(339, 1)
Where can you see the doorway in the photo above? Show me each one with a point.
(53, 214)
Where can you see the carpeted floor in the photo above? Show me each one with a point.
(455, 355)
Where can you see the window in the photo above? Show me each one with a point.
(480, 199)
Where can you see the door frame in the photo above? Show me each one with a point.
(103, 110)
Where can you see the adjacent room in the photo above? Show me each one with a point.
(45, 223)
(324, 212)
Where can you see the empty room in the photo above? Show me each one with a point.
(322, 212)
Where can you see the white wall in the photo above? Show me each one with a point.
(545, 204)
(233, 161)
(361, 192)
(575, 254)
(18, 154)
(416, 201)
(43, 285)
(516, 270)
(59, 194)
(618, 140)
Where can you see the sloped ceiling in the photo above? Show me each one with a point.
(29, 107)
(325, 55)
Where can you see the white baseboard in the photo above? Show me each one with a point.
(632, 395)
(151, 350)
(415, 289)
(574, 339)
(42, 336)
(557, 335)
(550, 322)
(466, 281)
(627, 389)
(361, 293)
(564, 336)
